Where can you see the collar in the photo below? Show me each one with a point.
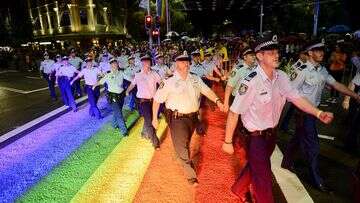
(264, 76)
(312, 67)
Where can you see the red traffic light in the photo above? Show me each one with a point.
(148, 21)
(155, 33)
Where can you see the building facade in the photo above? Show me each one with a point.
(77, 18)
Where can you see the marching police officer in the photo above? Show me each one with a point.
(160, 67)
(48, 72)
(237, 75)
(91, 74)
(64, 74)
(146, 82)
(76, 62)
(260, 100)
(129, 74)
(310, 82)
(116, 94)
(181, 94)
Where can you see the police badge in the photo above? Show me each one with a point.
(293, 75)
(242, 89)
(161, 85)
(233, 73)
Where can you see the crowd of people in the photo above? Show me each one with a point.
(176, 79)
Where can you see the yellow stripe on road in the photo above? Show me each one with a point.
(118, 178)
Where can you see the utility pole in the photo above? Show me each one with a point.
(316, 16)
(150, 30)
(261, 17)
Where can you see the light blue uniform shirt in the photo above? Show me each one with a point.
(66, 70)
(310, 82)
(238, 74)
(356, 62)
(114, 80)
(198, 69)
(47, 66)
(76, 62)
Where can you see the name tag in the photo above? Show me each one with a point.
(263, 93)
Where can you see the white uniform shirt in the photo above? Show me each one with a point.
(47, 66)
(90, 75)
(114, 80)
(260, 100)
(146, 84)
(310, 82)
(209, 66)
(182, 95)
(76, 62)
(238, 74)
(66, 70)
(104, 67)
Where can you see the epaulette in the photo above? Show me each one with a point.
(168, 77)
(250, 76)
(138, 71)
(302, 67)
(240, 66)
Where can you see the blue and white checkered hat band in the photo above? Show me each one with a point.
(318, 45)
(265, 44)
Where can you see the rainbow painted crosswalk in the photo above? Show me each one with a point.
(76, 158)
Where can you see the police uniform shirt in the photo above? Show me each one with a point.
(260, 100)
(129, 72)
(182, 95)
(56, 66)
(90, 75)
(123, 61)
(114, 80)
(237, 75)
(162, 70)
(76, 62)
(101, 56)
(310, 82)
(146, 84)
(198, 69)
(209, 66)
(66, 70)
(47, 66)
(104, 67)
(83, 64)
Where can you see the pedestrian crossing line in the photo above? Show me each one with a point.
(118, 178)
(31, 77)
(290, 185)
(13, 90)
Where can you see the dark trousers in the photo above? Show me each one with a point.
(77, 88)
(257, 171)
(132, 94)
(93, 97)
(338, 77)
(306, 136)
(351, 139)
(50, 79)
(181, 131)
(118, 119)
(66, 93)
(148, 131)
(287, 117)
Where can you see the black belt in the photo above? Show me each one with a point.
(263, 133)
(114, 97)
(177, 114)
(142, 100)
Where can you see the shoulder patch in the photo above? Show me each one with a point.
(250, 76)
(233, 73)
(298, 64)
(243, 88)
(240, 66)
(161, 85)
(293, 75)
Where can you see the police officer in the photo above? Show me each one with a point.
(351, 138)
(260, 100)
(91, 74)
(297, 66)
(129, 75)
(48, 72)
(181, 94)
(116, 94)
(310, 82)
(160, 67)
(237, 75)
(76, 62)
(105, 53)
(104, 64)
(146, 82)
(63, 76)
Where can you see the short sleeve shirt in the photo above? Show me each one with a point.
(260, 100)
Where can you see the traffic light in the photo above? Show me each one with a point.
(157, 22)
(148, 22)
(155, 33)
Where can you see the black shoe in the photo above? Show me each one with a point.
(193, 181)
(324, 188)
